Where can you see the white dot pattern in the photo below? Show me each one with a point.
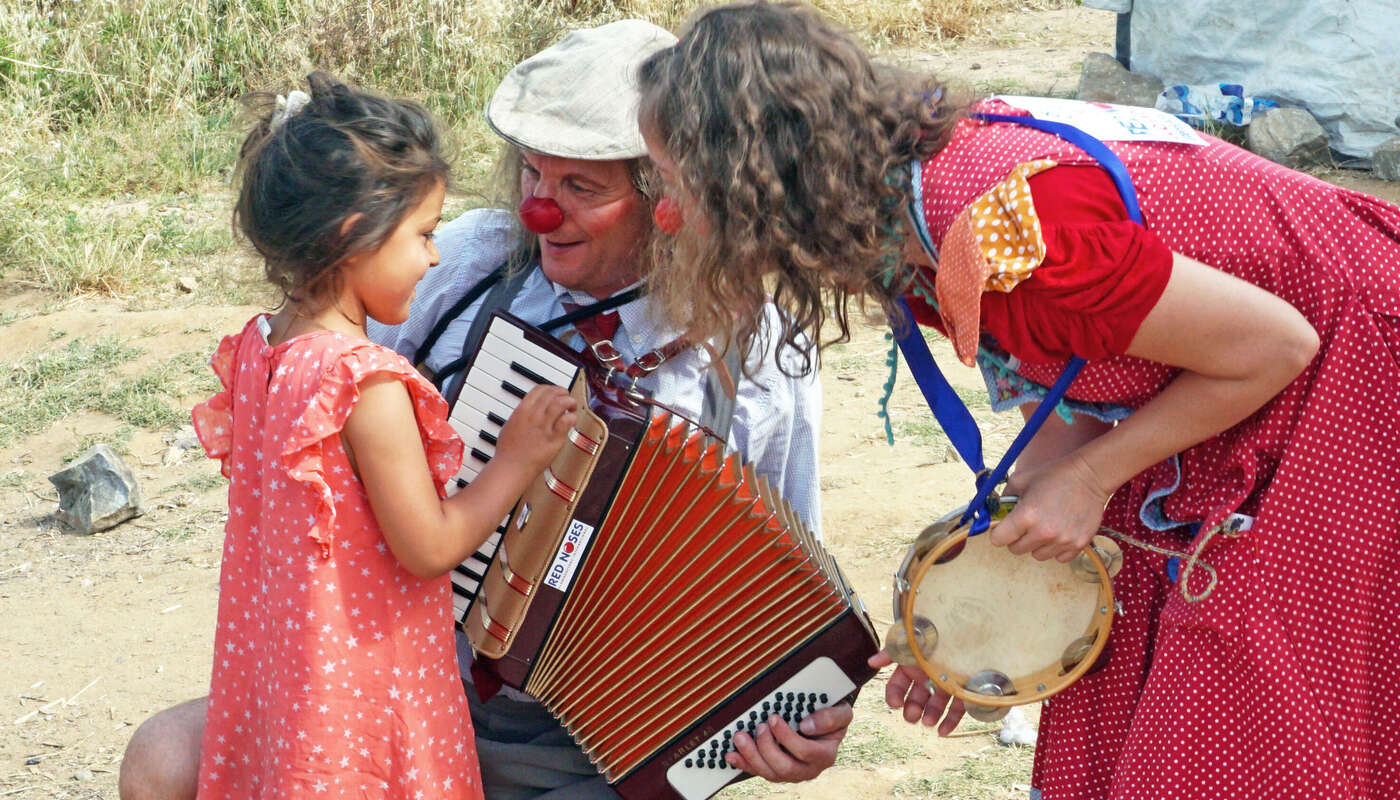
(335, 672)
(1282, 683)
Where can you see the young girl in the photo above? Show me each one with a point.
(334, 671)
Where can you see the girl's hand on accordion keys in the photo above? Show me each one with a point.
(536, 430)
(910, 689)
(429, 535)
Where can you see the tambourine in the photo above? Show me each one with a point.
(997, 629)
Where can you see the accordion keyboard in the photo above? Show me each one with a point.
(704, 771)
(506, 367)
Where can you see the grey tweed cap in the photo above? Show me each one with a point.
(578, 98)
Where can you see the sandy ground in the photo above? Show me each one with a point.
(99, 632)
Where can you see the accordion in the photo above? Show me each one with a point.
(649, 589)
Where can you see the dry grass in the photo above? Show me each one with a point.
(132, 104)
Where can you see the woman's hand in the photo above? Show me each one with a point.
(909, 688)
(1058, 512)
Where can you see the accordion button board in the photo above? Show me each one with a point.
(704, 771)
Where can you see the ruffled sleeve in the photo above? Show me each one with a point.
(302, 453)
(213, 419)
(1100, 276)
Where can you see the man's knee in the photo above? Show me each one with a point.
(162, 759)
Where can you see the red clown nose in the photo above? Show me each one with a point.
(541, 214)
(668, 216)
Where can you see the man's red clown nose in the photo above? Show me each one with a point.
(541, 214)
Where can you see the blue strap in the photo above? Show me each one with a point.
(948, 408)
(1107, 159)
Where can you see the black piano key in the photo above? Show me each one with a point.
(473, 571)
(511, 388)
(480, 456)
(492, 416)
(461, 590)
(486, 437)
(521, 369)
(461, 483)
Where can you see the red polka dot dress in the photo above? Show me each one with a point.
(335, 673)
(1281, 682)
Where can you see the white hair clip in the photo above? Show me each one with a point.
(289, 106)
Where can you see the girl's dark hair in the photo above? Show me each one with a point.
(787, 138)
(346, 153)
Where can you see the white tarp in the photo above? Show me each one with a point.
(1339, 59)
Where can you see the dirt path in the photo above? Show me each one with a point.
(100, 632)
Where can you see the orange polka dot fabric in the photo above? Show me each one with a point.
(992, 245)
(335, 671)
(1282, 683)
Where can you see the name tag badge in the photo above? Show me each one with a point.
(1107, 122)
(561, 572)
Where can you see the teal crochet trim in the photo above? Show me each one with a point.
(892, 225)
(1008, 389)
(891, 361)
(1021, 386)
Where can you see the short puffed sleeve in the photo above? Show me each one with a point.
(1100, 275)
(213, 419)
(324, 416)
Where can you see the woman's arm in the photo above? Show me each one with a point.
(429, 536)
(1237, 345)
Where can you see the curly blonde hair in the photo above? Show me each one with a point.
(787, 140)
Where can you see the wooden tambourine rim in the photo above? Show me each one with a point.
(953, 682)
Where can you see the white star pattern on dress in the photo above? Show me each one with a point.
(298, 604)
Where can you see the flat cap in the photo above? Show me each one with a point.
(578, 98)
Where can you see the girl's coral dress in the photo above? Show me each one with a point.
(334, 669)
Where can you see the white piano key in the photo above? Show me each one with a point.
(491, 396)
(500, 367)
(466, 417)
(466, 583)
(502, 337)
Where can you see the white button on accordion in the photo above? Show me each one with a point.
(649, 589)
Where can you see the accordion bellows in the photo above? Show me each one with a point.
(649, 589)
(732, 580)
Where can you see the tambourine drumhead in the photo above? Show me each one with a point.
(996, 611)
